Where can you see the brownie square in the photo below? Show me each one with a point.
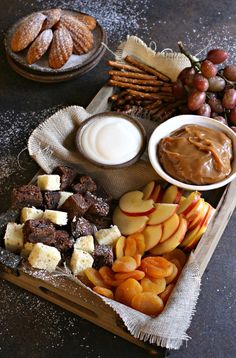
(85, 184)
(101, 222)
(51, 199)
(41, 230)
(103, 256)
(97, 206)
(75, 205)
(67, 176)
(62, 241)
(82, 227)
(26, 196)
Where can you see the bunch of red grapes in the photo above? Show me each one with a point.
(208, 90)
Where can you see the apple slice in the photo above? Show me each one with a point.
(152, 235)
(195, 235)
(172, 195)
(128, 224)
(132, 204)
(157, 193)
(182, 199)
(201, 215)
(162, 213)
(148, 190)
(195, 210)
(188, 204)
(169, 227)
(173, 241)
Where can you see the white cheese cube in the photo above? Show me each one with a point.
(64, 195)
(31, 213)
(108, 236)
(44, 257)
(56, 217)
(28, 247)
(80, 261)
(85, 243)
(49, 182)
(13, 237)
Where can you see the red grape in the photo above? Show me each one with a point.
(208, 69)
(230, 72)
(215, 104)
(200, 82)
(221, 119)
(178, 89)
(232, 115)
(204, 110)
(196, 100)
(229, 98)
(217, 56)
(216, 84)
(185, 73)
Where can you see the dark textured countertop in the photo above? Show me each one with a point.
(30, 326)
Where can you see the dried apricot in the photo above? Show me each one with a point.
(136, 274)
(120, 246)
(148, 303)
(174, 274)
(138, 258)
(108, 276)
(130, 247)
(124, 264)
(166, 294)
(156, 266)
(94, 276)
(176, 254)
(127, 290)
(151, 286)
(104, 292)
(140, 243)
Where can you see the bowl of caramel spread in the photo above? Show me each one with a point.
(194, 152)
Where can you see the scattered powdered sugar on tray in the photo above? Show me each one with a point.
(110, 14)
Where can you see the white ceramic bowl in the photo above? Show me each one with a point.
(174, 123)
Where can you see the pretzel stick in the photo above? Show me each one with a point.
(133, 86)
(123, 66)
(146, 68)
(143, 95)
(166, 114)
(154, 104)
(138, 81)
(131, 75)
(166, 89)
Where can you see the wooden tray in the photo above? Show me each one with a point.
(67, 294)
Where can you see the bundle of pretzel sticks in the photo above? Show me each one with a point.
(142, 88)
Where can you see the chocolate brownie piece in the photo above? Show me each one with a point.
(97, 206)
(101, 222)
(62, 241)
(85, 184)
(67, 176)
(82, 227)
(26, 195)
(41, 230)
(103, 256)
(101, 193)
(51, 199)
(75, 205)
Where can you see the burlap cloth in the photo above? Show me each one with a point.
(52, 143)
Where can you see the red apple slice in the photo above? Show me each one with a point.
(188, 204)
(157, 194)
(201, 215)
(173, 241)
(162, 213)
(172, 195)
(148, 190)
(132, 204)
(128, 224)
(169, 227)
(193, 240)
(152, 235)
(195, 210)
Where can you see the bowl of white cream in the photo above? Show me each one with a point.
(111, 140)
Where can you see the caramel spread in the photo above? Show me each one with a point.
(196, 154)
